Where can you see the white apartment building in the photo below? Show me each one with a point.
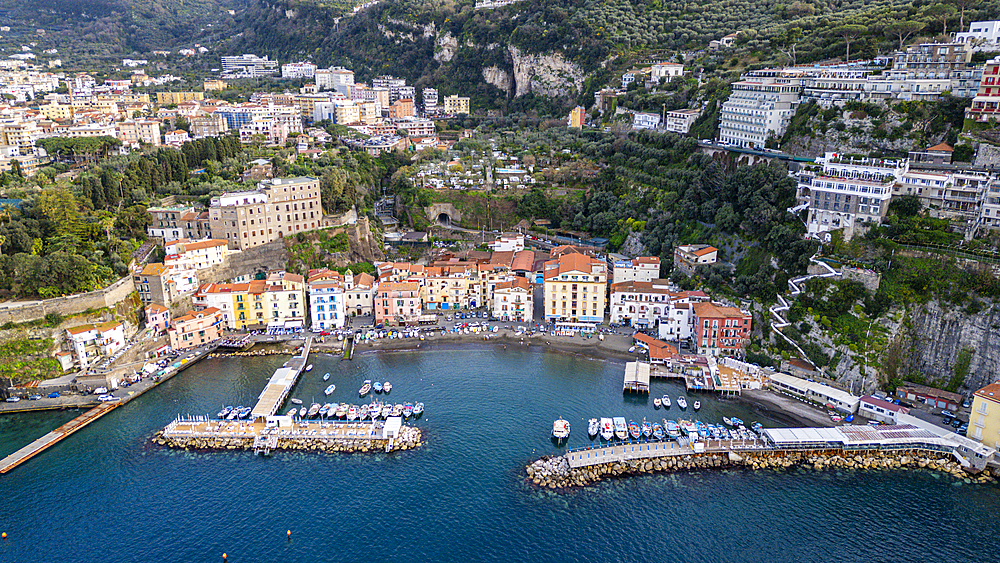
(989, 211)
(91, 342)
(272, 130)
(248, 65)
(430, 101)
(982, 36)
(639, 304)
(359, 294)
(641, 269)
(835, 86)
(946, 194)
(336, 78)
(298, 70)
(849, 193)
(644, 120)
(327, 304)
(512, 301)
(197, 255)
(761, 106)
(508, 242)
(680, 120)
(415, 126)
(666, 71)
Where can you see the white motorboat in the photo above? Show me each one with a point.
(621, 427)
(607, 429)
(386, 387)
(560, 429)
(309, 367)
(302, 412)
(682, 402)
(592, 428)
(297, 401)
(326, 376)
(697, 405)
(665, 401)
(330, 389)
(657, 402)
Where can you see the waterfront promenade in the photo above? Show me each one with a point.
(121, 396)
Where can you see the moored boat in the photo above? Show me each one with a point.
(665, 401)
(647, 429)
(658, 431)
(386, 387)
(362, 412)
(592, 428)
(313, 410)
(621, 429)
(341, 411)
(386, 410)
(326, 376)
(702, 429)
(302, 412)
(224, 412)
(560, 429)
(397, 410)
(352, 412)
(330, 389)
(418, 409)
(297, 401)
(309, 367)
(407, 410)
(727, 420)
(633, 429)
(697, 405)
(736, 421)
(682, 402)
(672, 428)
(292, 412)
(377, 387)
(365, 388)
(324, 410)
(656, 402)
(607, 429)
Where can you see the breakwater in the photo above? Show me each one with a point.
(554, 472)
(251, 353)
(408, 438)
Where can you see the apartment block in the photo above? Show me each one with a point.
(196, 328)
(513, 301)
(91, 342)
(760, 107)
(196, 255)
(157, 317)
(720, 330)
(298, 70)
(327, 301)
(166, 98)
(984, 420)
(575, 288)
(849, 193)
(689, 257)
(982, 36)
(208, 126)
(643, 269)
(986, 103)
(248, 65)
(397, 303)
(337, 78)
(680, 120)
(180, 222)
(455, 105)
(277, 208)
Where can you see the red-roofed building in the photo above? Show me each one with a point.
(720, 330)
(575, 288)
(659, 351)
(880, 410)
(512, 300)
(397, 303)
(157, 317)
(196, 328)
(689, 257)
(984, 420)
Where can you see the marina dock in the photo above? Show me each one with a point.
(280, 384)
(52, 438)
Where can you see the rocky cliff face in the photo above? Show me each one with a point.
(549, 75)
(938, 335)
(498, 77)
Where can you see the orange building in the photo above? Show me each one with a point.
(720, 330)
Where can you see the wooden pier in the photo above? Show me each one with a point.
(280, 384)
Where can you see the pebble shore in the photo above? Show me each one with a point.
(555, 472)
(409, 438)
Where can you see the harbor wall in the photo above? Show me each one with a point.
(409, 438)
(557, 473)
(23, 311)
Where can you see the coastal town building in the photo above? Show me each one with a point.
(816, 392)
(167, 98)
(180, 222)
(359, 294)
(91, 342)
(247, 65)
(642, 269)
(984, 419)
(640, 303)
(576, 118)
(666, 71)
(157, 317)
(196, 255)
(986, 102)
(277, 208)
(512, 301)
(982, 36)
(196, 328)
(881, 410)
(645, 120)
(327, 301)
(277, 301)
(507, 242)
(455, 105)
(298, 70)
(575, 288)
(164, 284)
(849, 193)
(934, 398)
(720, 330)
(397, 303)
(760, 108)
(688, 258)
(680, 120)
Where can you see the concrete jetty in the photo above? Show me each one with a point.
(52, 438)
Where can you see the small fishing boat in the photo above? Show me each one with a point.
(386, 411)
(233, 413)
(656, 402)
(665, 401)
(330, 389)
(397, 410)
(326, 376)
(697, 405)
(757, 426)
(386, 387)
(341, 411)
(702, 429)
(560, 429)
(365, 388)
(362, 412)
(592, 428)
(418, 409)
(672, 428)
(377, 387)
(313, 410)
(224, 412)
(302, 412)
(407, 410)
(647, 429)
(297, 401)
(682, 402)
(634, 430)
(292, 412)
(309, 367)
(607, 429)
(324, 410)
(352, 413)
(727, 420)
(621, 429)
(658, 431)
(736, 421)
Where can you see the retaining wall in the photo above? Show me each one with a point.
(23, 311)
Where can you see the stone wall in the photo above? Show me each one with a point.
(266, 257)
(23, 311)
(868, 278)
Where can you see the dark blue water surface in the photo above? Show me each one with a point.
(107, 494)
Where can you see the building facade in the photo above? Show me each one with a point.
(512, 301)
(196, 328)
(278, 208)
(575, 288)
(760, 107)
(688, 258)
(641, 269)
(720, 330)
(397, 303)
(984, 420)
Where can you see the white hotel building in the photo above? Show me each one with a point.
(849, 193)
(761, 105)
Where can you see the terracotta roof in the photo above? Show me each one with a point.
(932, 392)
(572, 263)
(941, 147)
(399, 286)
(706, 250)
(364, 279)
(658, 349)
(519, 283)
(502, 258)
(156, 308)
(110, 325)
(991, 392)
(713, 311)
(207, 243)
(155, 269)
(80, 329)
(523, 260)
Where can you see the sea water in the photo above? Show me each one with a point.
(108, 494)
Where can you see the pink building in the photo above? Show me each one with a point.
(196, 328)
(397, 302)
(157, 317)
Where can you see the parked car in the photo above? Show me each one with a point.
(966, 404)
(956, 423)
(54, 395)
(948, 414)
(108, 398)
(963, 428)
(34, 397)
(13, 399)
(100, 391)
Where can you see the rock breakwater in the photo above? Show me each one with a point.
(556, 473)
(408, 439)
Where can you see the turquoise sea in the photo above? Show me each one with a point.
(107, 494)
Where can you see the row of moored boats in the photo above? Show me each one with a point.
(368, 386)
(373, 411)
(234, 413)
(664, 402)
(616, 428)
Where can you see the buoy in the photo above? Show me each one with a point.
(4, 535)
(223, 556)
(289, 533)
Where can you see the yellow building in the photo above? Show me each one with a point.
(446, 291)
(280, 299)
(57, 112)
(576, 118)
(164, 98)
(454, 105)
(575, 288)
(984, 421)
(211, 85)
